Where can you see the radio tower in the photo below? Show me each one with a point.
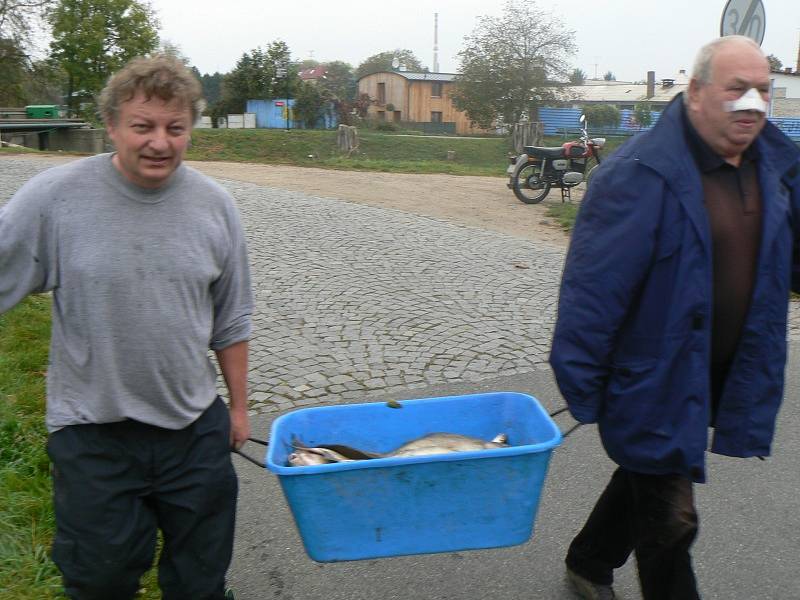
(435, 42)
(797, 67)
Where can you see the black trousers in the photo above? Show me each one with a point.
(654, 517)
(115, 484)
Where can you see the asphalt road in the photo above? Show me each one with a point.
(748, 546)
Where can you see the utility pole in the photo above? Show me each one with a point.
(283, 71)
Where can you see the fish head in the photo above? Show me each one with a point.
(499, 441)
(303, 457)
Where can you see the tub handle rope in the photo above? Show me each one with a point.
(247, 456)
(571, 429)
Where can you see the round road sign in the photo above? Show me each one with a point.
(744, 17)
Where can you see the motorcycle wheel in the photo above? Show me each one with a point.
(528, 186)
(590, 174)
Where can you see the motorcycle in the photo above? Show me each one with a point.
(536, 170)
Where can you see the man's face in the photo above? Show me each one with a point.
(151, 137)
(734, 70)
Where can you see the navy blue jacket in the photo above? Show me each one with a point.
(632, 343)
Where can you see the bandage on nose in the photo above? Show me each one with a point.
(750, 100)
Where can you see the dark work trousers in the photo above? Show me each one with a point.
(654, 517)
(114, 484)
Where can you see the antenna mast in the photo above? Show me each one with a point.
(435, 42)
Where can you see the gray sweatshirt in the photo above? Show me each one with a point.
(144, 282)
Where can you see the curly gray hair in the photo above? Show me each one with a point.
(159, 75)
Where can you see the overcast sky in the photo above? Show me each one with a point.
(626, 37)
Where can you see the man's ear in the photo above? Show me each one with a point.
(693, 92)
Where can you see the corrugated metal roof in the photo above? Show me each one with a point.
(427, 76)
(412, 76)
(633, 92)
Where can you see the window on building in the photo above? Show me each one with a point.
(382, 93)
(436, 89)
(381, 115)
(436, 117)
(397, 116)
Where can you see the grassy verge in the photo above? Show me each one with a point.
(16, 150)
(26, 519)
(26, 514)
(376, 151)
(564, 213)
(391, 153)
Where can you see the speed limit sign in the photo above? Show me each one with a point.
(744, 17)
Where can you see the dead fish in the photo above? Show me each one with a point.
(302, 457)
(441, 443)
(432, 443)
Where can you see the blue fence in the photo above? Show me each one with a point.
(271, 114)
(566, 121)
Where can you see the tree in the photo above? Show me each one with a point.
(310, 102)
(255, 76)
(603, 115)
(609, 76)
(44, 83)
(340, 82)
(775, 63)
(577, 77)
(94, 38)
(212, 87)
(18, 19)
(383, 62)
(642, 113)
(509, 64)
(12, 72)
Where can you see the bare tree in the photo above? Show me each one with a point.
(18, 19)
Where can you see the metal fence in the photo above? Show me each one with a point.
(566, 121)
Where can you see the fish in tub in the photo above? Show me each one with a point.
(430, 444)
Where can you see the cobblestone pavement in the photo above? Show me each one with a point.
(353, 300)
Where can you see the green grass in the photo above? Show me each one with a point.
(6, 150)
(386, 152)
(26, 519)
(376, 151)
(564, 213)
(26, 515)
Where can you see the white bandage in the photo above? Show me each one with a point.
(750, 100)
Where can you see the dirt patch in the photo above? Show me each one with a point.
(483, 202)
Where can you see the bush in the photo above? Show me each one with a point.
(385, 126)
(642, 114)
(602, 115)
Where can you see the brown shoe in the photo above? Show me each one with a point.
(588, 590)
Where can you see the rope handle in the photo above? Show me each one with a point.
(258, 463)
(571, 429)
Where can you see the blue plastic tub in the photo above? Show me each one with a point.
(415, 505)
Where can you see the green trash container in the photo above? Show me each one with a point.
(41, 111)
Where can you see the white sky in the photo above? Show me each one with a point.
(627, 37)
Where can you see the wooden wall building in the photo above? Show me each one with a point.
(418, 100)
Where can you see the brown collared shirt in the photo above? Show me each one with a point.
(733, 205)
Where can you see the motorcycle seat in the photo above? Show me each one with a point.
(544, 152)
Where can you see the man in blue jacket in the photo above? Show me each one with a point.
(672, 314)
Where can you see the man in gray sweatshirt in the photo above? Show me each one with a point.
(147, 264)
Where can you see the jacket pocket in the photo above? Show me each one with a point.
(632, 397)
